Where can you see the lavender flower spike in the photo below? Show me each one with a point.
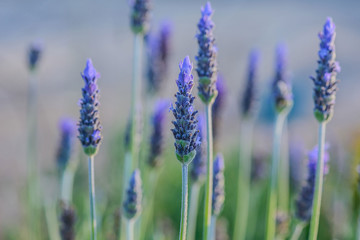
(34, 55)
(206, 59)
(218, 106)
(140, 16)
(249, 98)
(67, 226)
(89, 124)
(325, 81)
(198, 167)
(218, 185)
(305, 199)
(158, 55)
(133, 198)
(281, 86)
(67, 128)
(185, 131)
(157, 135)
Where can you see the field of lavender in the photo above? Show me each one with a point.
(195, 120)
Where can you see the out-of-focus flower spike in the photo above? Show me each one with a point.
(67, 223)
(140, 16)
(133, 198)
(34, 54)
(218, 197)
(198, 167)
(67, 129)
(218, 105)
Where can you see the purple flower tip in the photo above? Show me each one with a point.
(90, 73)
(329, 27)
(67, 125)
(186, 65)
(206, 10)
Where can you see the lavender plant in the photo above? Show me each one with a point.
(218, 196)
(283, 101)
(304, 202)
(139, 25)
(325, 86)
(132, 203)
(197, 175)
(67, 223)
(207, 72)
(248, 109)
(185, 133)
(218, 107)
(90, 130)
(158, 49)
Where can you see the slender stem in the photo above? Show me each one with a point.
(272, 198)
(213, 228)
(67, 181)
(194, 203)
(130, 229)
(283, 180)
(138, 41)
(51, 221)
(209, 175)
(243, 191)
(184, 202)
(314, 224)
(92, 197)
(298, 230)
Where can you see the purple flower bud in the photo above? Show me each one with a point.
(218, 197)
(218, 106)
(206, 59)
(133, 198)
(67, 129)
(198, 166)
(34, 55)
(157, 135)
(325, 81)
(89, 124)
(185, 130)
(158, 53)
(248, 99)
(67, 223)
(140, 16)
(305, 199)
(281, 86)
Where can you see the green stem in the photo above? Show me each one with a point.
(283, 180)
(194, 203)
(51, 221)
(92, 197)
(130, 229)
(297, 232)
(184, 202)
(213, 228)
(314, 225)
(272, 198)
(138, 41)
(67, 181)
(243, 191)
(209, 175)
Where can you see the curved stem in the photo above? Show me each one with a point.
(243, 191)
(272, 198)
(283, 180)
(314, 225)
(209, 175)
(138, 40)
(184, 202)
(92, 197)
(194, 203)
(297, 232)
(130, 230)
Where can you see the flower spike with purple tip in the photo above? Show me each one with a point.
(206, 59)
(140, 16)
(34, 55)
(89, 125)
(132, 202)
(325, 81)
(67, 128)
(305, 199)
(185, 131)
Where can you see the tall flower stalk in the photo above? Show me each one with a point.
(304, 202)
(283, 100)
(34, 56)
(325, 86)
(248, 111)
(132, 203)
(185, 133)
(197, 175)
(218, 196)
(207, 72)
(139, 26)
(90, 131)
